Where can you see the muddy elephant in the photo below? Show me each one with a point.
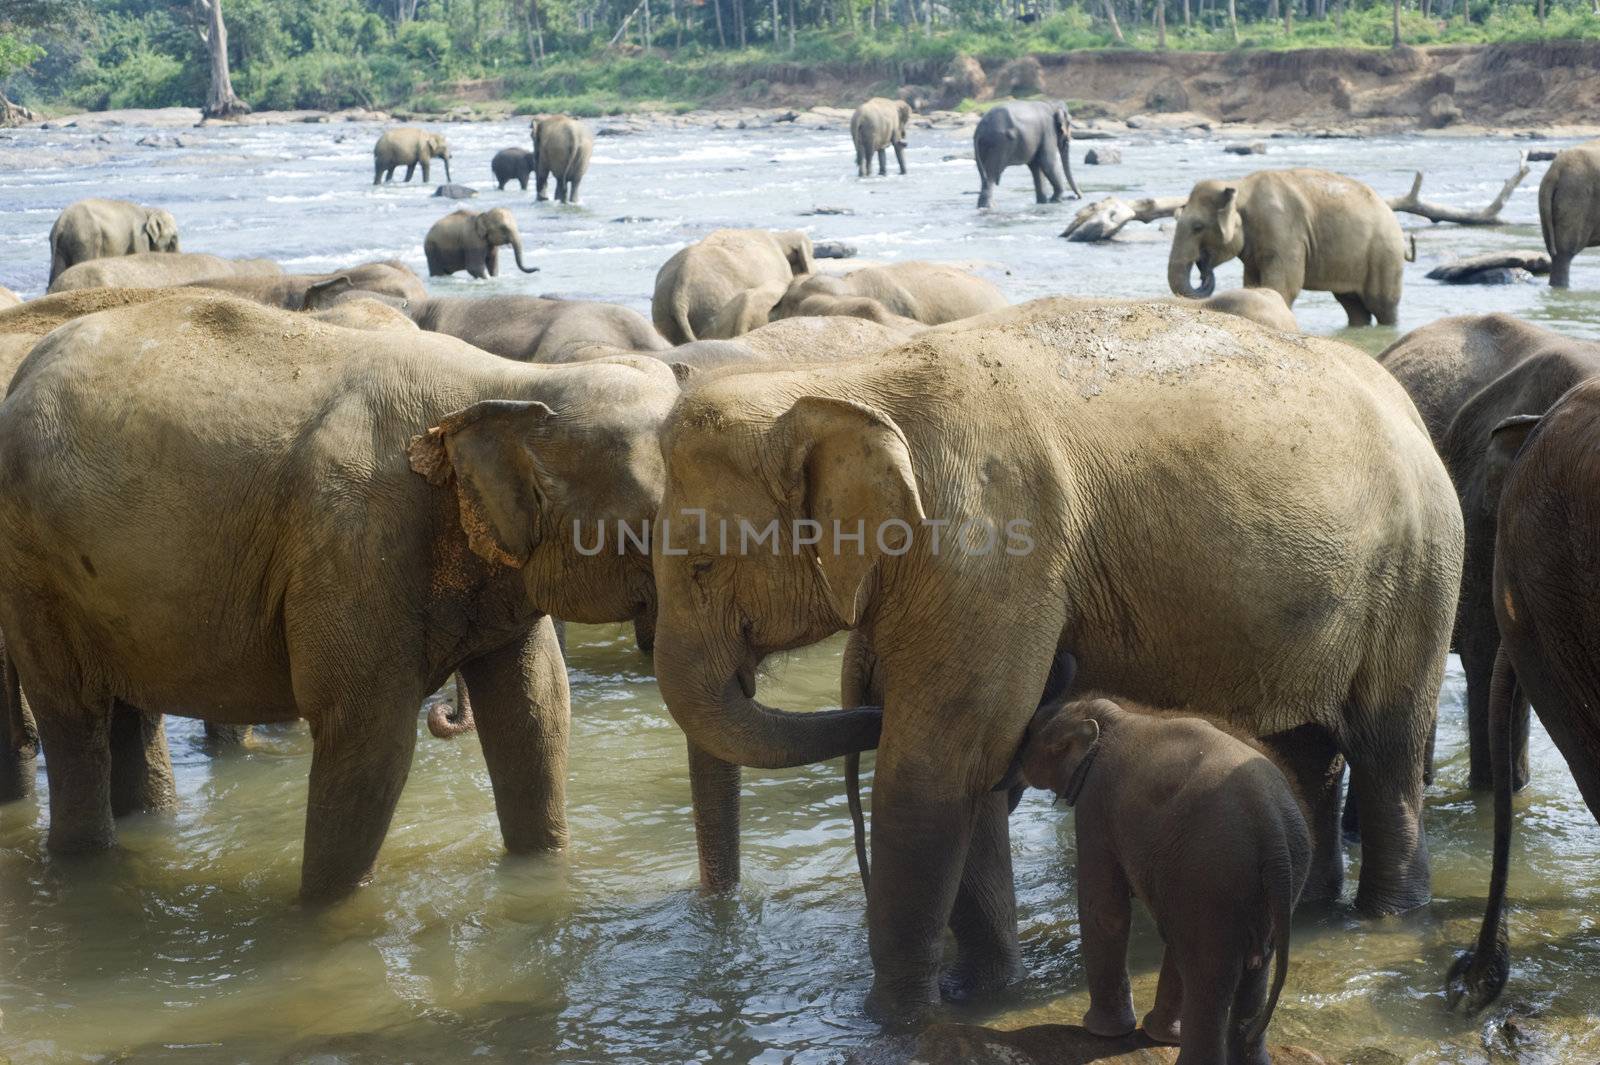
(1260, 305)
(302, 292)
(792, 342)
(1202, 827)
(1011, 467)
(897, 295)
(697, 283)
(1032, 133)
(561, 147)
(1545, 598)
(408, 147)
(1466, 375)
(1569, 208)
(471, 241)
(878, 125)
(537, 329)
(512, 164)
(386, 511)
(99, 229)
(8, 298)
(1293, 230)
(159, 270)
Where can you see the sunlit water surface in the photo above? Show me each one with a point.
(185, 944)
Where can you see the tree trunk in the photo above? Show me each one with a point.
(1541, 14)
(777, 24)
(1111, 17)
(1185, 14)
(14, 114)
(220, 99)
(1233, 19)
(1396, 43)
(1161, 23)
(791, 25)
(716, 11)
(1288, 18)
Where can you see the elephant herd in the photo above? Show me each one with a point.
(1172, 559)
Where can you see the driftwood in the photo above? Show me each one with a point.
(1542, 155)
(1412, 203)
(1102, 219)
(1473, 270)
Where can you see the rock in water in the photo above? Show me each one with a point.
(1253, 148)
(833, 249)
(456, 192)
(1492, 268)
(1060, 1044)
(1102, 157)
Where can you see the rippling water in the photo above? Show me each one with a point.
(185, 944)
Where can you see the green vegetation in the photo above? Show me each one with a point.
(598, 56)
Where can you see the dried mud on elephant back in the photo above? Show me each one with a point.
(1046, 1044)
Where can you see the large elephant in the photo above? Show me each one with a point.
(1569, 208)
(1466, 375)
(878, 125)
(1032, 133)
(537, 329)
(159, 270)
(471, 241)
(408, 147)
(694, 286)
(561, 149)
(1546, 593)
(1293, 230)
(977, 501)
(301, 292)
(512, 164)
(23, 326)
(898, 294)
(98, 229)
(335, 524)
(790, 342)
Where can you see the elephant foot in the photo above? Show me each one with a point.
(1109, 1024)
(899, 1007)
(1387, 900)
(966, 983)
(1161, 1029)
(1478, 980)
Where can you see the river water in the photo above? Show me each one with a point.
(185, 944)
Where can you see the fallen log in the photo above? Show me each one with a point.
(1102, 219)
(1472, 270)
(1412, 202)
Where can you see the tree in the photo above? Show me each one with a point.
(20, 17)
(1111, 16)
(220, 99)
(1397, 23)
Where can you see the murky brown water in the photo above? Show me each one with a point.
(184, 944)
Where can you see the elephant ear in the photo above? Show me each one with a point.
(155, 231)
(487, 450)
(1062, 121)
(1505, 441)
(321, 293)
(797, 249)
(1058, 752)
(1228, 214)
(849, 469)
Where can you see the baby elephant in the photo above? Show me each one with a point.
(467, 240)
(512, 164)
(1200, 824)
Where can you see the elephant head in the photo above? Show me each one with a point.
(1060, 741)
(436, 147)
(797, 249)
(498, 227)
(1208, 233)
(1061, 122)
(160, 231)
(903, 120)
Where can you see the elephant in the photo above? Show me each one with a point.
(697, 283)
(1569, 208)
(1293, 230)
(382, 522)
(897, 295)
(747, 310)
(300, 292)
(538, 329)
(1278, 605)
(561, 148)
(512, 164)
(1470, 373)
(1544, 599)
(470, 241)
(8, 298)
(1200, 825)
(159, 270)
(408, 146)
(98, 229)
(1261, 305)
(792, 341)
(876, 126)
(1032, 133)
(23, 326)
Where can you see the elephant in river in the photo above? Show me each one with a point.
(8, 298)
(697, 283)
(98, 229)
(877, 126)
(1545, 595)
(561, 148)
(471, 241)
(408, 147)
(537, 329)
(1466, 375)
(1032, 133)
(159, 270)
(300, 292)
(1293, 230)
(1037, 467)
(387, 508)
(897, 294)
(512, 164)
(1569, 208)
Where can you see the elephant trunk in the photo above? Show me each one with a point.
(1066, 162)
(445, 159)
(1178, 269)
(446, 721)
(516, 249)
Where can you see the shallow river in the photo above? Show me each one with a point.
(185, 944)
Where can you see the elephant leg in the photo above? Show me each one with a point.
(377, 173)
(561, 190)
(1105, 914)
(883, 162)
(543, 175)
(1211, 968)
(21, 735)
(1282, 274)
(524, 181)
(410, 170)
(714, 789)
(1355, 311)
(1479, 641)
(1560, 269)
(1051, 169)
(521, 705)
(1249, 1000)
(77, 750)
(1313, 762)
(427, 179)
(1386, 773)
(984, 919)
(900, 157)
(986, 185)
(1164, 1021)
(572, 189)
(1038, 183)
(141, 765)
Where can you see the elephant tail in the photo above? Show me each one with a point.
(680, 319)
(858, 821)
(1281, 893)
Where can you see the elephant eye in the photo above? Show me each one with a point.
(701, 568)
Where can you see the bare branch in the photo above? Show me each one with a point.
(1103, 219)
(1412, 202)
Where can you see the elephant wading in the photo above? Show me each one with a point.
(877, 126)
(1032, 133)
(337, 520)
(1260, 593)
(1293, 230)
(1569, 208)
(561, 149)
(159, 270)
(898, 295)
(695, 286)
(99, 229)
(408, 147)
(512, 164)
(470, 241)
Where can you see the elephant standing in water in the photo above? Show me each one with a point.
(878, 125)
(467, 240)
(99, 229)
(1293, 230)
(695, 286)
(512, 164)
(408, 147)
(1032, 133)
(1569, 208)
(337, 520)
(561, 148)
(1012, 468)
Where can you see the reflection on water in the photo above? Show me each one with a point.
(184, 944)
